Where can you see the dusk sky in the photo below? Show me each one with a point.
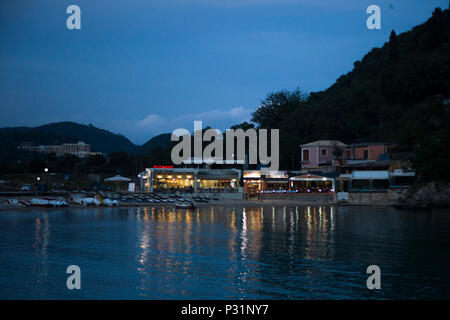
(144, 67)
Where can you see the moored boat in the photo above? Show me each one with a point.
(185, 206)
(47, 203)
(17, 203)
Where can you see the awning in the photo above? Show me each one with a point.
(370, 175)
(277, 180)
(310, 177)
(213, 176)
(117, 178)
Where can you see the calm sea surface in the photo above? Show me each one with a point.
(225, 253)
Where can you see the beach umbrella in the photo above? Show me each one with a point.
(118, 179)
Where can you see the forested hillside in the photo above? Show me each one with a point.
(397, 93)
(58, 133)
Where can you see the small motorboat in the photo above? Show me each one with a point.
(48, 203)
(110, 202)
(185, 206)
(87, 201)
(17, 203)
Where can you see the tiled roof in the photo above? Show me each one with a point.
(325, 143)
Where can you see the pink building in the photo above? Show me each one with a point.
(320, 153)
(367, 151)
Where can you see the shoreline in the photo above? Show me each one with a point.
(220, 202)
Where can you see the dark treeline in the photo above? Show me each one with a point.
(119, 162)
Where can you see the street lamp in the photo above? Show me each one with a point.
(45, 176)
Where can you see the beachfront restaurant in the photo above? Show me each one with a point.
(276, 181)
(188, 180)
(311, 183)
(210, 180)
(256, 181)
(384, 185)
(252, 183)
(368, 181)
(263, 181)
(361, 181)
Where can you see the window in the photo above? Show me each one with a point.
(305, 155)
(366, 154)
(323, 152)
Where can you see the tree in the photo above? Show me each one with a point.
(35, 166)
(244, 126)
(432, 159)
(67, 163)
(3, 167)
(436, 29)
(97, 161)
(338, 152)
(393, 51)
(52, 161)
(119, 160)
(276, 106)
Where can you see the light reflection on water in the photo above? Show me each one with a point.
(222, 252)
(41, 265)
